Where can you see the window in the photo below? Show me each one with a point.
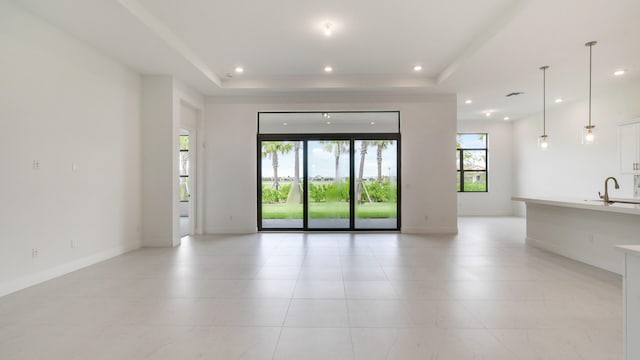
(184, 168)
(471, 160)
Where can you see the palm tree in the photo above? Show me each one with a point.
(270, 151)
(381, 145)
(363, 152)
(294, 192)
(336, 147)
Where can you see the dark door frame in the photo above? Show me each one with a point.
(351, 137)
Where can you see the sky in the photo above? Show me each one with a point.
(322, 162)
(472, 141)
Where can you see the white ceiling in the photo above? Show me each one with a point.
(480, 49)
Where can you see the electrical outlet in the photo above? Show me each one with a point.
(34, 253)
(36, 164)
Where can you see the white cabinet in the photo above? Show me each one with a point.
(631, 301)
(629, 140)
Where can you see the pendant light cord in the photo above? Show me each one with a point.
(590, 72)
(544, 100)
(590, 45)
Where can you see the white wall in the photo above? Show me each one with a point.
(62, 103)
(569, 169)
(162, 102)
(497, 201)
(428, 127)
(157, 162)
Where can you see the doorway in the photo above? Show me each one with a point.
(185, 183)
(329, 181)
(189, 213)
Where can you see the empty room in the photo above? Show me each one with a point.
(338, 180)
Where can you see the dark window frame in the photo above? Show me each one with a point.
(461, 171)
(181, 150)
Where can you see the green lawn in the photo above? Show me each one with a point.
(324, 210)
(377, 210)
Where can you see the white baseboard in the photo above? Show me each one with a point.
(222, 231)
(26, 281)
(435, 230)
(485, 213)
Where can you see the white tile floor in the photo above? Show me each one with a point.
(480, 295)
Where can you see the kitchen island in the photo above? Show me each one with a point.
(583, 230)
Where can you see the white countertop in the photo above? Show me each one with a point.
(593, 204)
(630, 249)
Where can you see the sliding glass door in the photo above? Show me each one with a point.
(376, 200)
(329, 171)
(281, 184)
(329, 184)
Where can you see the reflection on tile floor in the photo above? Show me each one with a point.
(482, 294)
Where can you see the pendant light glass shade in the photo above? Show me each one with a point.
(589, 131)
(543, 141)
(589, 135)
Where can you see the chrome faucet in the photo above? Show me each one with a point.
(606, 189)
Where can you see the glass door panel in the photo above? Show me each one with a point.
(329, 184)
(376, 187)
(282, 184)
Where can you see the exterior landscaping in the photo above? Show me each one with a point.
(329, 190)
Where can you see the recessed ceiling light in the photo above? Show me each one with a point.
(328, 28)
(559, 100)
(468, 101)
(328, 122)
(619, 72)
(285, 124)
(417, 68)
(373, 123)
(488, 113)
(328, 69)
(239, 69)
(506, 118)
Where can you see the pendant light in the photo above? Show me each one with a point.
(588, 132)
(543, 141)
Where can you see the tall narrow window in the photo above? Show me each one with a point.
(184, 168)
(471, 162)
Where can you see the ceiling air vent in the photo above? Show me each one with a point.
(514, 93)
